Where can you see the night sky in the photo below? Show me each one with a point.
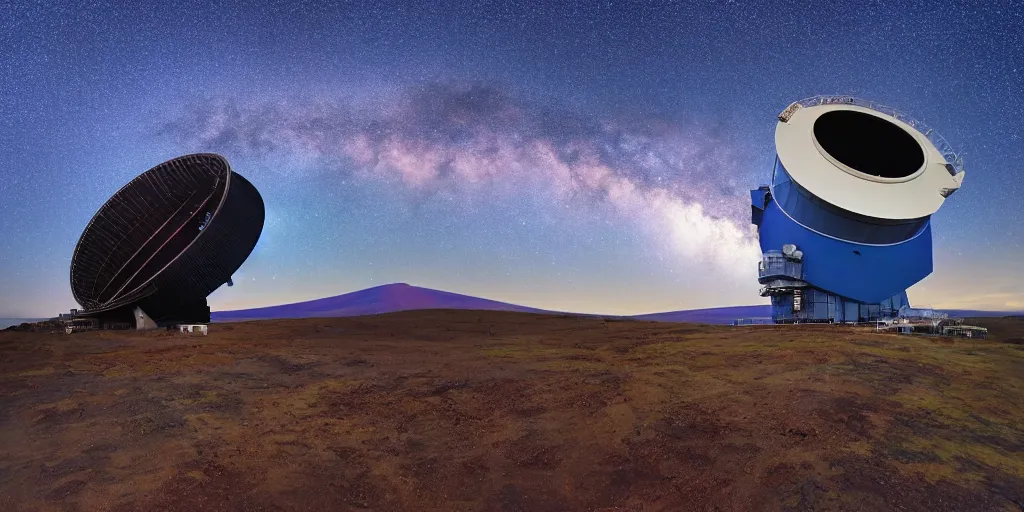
(591, 157)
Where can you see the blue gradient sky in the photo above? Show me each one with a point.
(580, 157)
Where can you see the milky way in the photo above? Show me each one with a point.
(676, 183)
(583, 156)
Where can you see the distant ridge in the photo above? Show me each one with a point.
(390, 298)
(7, 322)
(723, 315)
(978, 313)
(726, 315)
(371, 301)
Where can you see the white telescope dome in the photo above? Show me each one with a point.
(866, 159)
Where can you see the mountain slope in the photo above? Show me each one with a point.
(726, 315)
(380, 299)
(722, 315)
(403, 297)
(7, 322)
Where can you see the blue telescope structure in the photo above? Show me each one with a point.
(845, 224)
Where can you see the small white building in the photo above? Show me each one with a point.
(202, 329)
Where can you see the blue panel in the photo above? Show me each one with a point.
(851, 311)
(758, 198)
(865, 273)
(820, 216)
(782, 308)
(818, 302)
(822, 306)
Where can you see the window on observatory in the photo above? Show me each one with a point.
(868, 144)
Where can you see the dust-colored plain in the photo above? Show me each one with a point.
(465, 410)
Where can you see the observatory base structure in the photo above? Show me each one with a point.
(165, 241)
(845, 224)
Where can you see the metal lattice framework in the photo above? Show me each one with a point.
(177, 232)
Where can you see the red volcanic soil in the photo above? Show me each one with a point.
(467, 410)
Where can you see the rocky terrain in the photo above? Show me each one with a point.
(468, 410)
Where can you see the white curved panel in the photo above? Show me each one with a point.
(919, 195)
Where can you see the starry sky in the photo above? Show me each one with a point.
(579, 156)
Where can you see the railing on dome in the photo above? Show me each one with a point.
(952, 158)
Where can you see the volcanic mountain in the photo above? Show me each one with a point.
(380, 299)
(395, 297)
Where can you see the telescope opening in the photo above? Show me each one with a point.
(868, 144)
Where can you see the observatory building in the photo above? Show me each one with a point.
(844, 227)
(155, 250)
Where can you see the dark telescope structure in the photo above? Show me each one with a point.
(845, 224)
(155, 250)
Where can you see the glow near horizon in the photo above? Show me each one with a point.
(560, 160)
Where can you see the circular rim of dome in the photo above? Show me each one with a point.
(917, 195)
(121, 299)
(828, 130)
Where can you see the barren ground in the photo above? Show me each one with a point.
(449, 410)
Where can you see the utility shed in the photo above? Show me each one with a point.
(202, 329)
